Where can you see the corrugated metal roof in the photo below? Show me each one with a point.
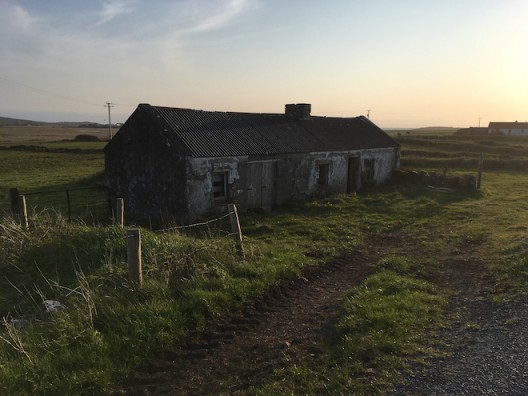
(508, 125)
(221, 134)
(347, 133)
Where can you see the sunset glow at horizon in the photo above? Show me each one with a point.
(411, 63)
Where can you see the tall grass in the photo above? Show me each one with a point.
(109, 326)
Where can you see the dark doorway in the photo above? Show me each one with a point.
(353, 174)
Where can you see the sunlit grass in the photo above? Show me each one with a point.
(381, 324)
(110, 327)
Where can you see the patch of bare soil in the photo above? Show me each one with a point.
(243, 348)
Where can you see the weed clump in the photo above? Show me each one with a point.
(109, 325)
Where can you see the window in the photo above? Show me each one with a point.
(324, 169)
(220, 185)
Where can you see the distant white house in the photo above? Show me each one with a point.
(509, 128)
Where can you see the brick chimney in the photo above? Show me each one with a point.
(299, 111)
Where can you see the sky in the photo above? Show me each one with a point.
(407, 63)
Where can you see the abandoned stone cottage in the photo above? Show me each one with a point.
(184, 163)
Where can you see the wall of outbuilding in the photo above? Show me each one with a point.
(200, 184)
(511, 131)
(296, 177)
(143, 168)
(304, 171)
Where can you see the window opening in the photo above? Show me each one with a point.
(220, 185)
(324, 170)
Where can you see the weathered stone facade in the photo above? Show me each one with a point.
(158, 160)
(293, 177)
(146, 171)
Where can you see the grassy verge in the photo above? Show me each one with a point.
(109, 327)
(381, 326)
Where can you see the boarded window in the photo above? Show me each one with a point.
(219, 185)
(324, 169)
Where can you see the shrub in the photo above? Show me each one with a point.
(86, 138)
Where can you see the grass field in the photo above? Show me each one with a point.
(110, 327)
(44, 159)
(42, 135)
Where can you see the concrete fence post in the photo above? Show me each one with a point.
(235, 229)
(135, 274)
(120, 212)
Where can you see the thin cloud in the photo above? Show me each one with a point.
(14, 16)
(219, 18)
(111, 10)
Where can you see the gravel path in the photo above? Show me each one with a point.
(488, 355)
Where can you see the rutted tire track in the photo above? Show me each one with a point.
(243, 348)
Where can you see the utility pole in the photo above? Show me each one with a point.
(108, 104)
(368, 114)
(479, 121)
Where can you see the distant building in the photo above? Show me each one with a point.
(472, 131)
(508, 128)
(182, 163)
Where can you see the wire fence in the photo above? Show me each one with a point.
(134, 242)
(207, 223)
(88, 204)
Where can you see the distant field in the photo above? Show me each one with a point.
(15, 135)
(430, 131)
(42, 159)
(462, 152)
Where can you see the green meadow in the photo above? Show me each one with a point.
(110, 327)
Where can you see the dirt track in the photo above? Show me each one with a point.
(245, 347)
(293, 319)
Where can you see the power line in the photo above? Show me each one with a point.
(26, 86)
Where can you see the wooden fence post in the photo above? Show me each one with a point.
(480, 167)
(134, 256)
(23, 212)
(120, 215)
(235, 229)
(68, 202)
(14, 199)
